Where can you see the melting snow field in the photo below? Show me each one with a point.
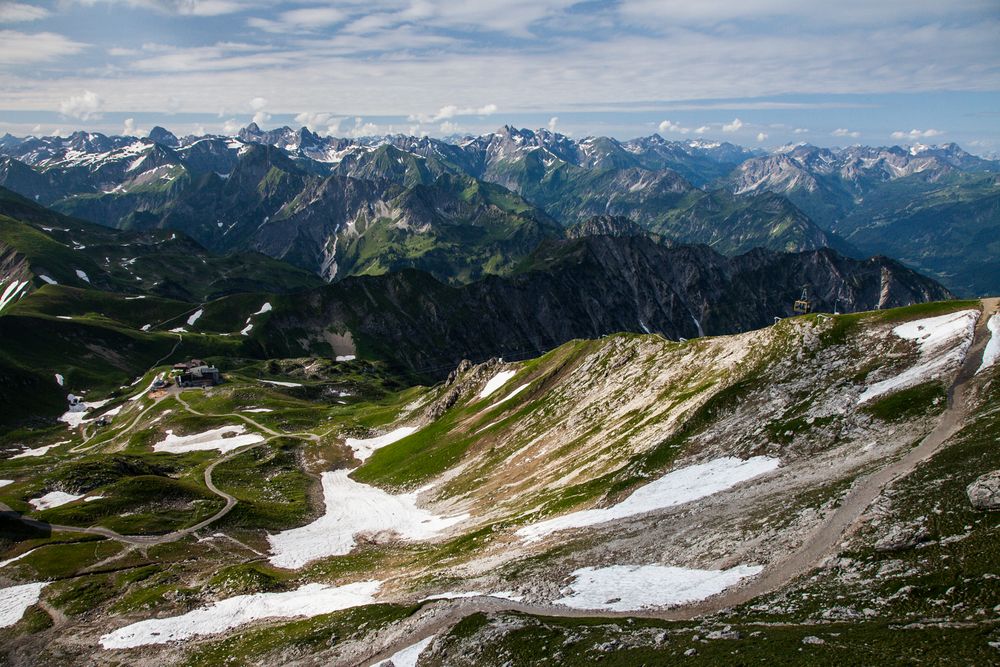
(82, 275)
(309, 600)
(408, 656)
(53, 499)
(16, 599)
(353, 508)
(512, 394)
(345, 357)
(60, 380)
(38, 451)
(194, 316)
(5, 482)
(213, 439)
(942, 343)
(496, 382)
(11, 291)
(992, 351)
(365, 448)
(263, 309)
(675, 488)
(281, 384)
(631, 587)
(451, 595)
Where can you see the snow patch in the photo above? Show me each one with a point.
(365, 448)
(992, 351)
(47, 279)
(674, 488)
(11, 292)
(512, 394)
(212, 439)
(60, 380)
(15, 600)
(245, 331)
(257, 410)
(496, 382)
(5, 482)
(408, 656)
(263, 309)
(82, 276)
(346, 357)
(306, 601)
(37, 451)
(194, 316)
(353, 509)
(53, 499)
(452, 595)
(278, 383)
(632, 587)
(942, 343)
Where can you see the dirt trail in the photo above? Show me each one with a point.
(184, 532)
(823, 542)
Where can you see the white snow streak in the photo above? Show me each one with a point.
(15, 600)
(674, 488)
(408, 656)
(942, 342)
(11, 292)
(353, 509)
(631, 587)
(278, 383)
(82, 276)
(60, 380)
(213, 439)
(263, 309)
(365, 448)
(307, 601)
(53, 499)
(992, 351)
(194, 316)
(496, 382)
(47, 279)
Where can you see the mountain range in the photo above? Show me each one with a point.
(468, 207)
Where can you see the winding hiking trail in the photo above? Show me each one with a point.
(230, 501)
(823, 542)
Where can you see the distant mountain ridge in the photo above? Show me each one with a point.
(339, 207)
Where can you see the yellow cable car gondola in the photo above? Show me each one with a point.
(803, 305)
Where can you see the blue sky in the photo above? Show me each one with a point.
(755, 72)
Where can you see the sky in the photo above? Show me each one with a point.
(754, 72)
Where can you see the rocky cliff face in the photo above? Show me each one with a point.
(587, 288)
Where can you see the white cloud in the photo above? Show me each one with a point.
(261, 118)
(702, 130)
(363, 129)
(916, 134)
(21, 48)
(306, 19)
(800, 130)
(258, 103)
(449, 111)
(16, 12)
(130, 129)
(181, 7)
(761, 136)
(447, 127)
(670, 126)
(734, 126)
(844, 132)
(86, 106)
(553, 122)
(231, 126)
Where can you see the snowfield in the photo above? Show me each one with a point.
(60, 380)
(53, 499)
(632, 587)
(496, 382)
(307, 601)
(37, 451)
(345, 357)
(674, 488)
(15, 600)
(212, 439)
(5, 482)
(512, 394)
(992, 351)
(194, 316)
(365, 448)
(277, 383)
(263, 309)
(408, 656)
(11, 292)
(82, 276)
(147, 389)
(353, 509)
(452, 595)
(942, 344)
